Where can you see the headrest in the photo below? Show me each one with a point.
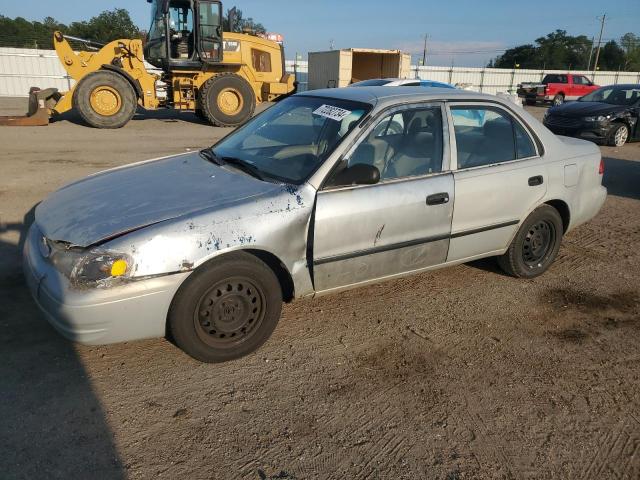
(415, 126)
(497, 128)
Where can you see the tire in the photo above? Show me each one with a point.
(227, 100)
(226, 309)
(618, 135)
(536, 244)
(530, 101)
(558, 100)
(105, 99)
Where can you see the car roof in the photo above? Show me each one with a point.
(385, 95)
(622, 85)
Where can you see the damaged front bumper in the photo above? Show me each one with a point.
(97, 316)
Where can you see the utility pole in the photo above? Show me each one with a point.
(595, 64)
(424, 51)
(593, 40)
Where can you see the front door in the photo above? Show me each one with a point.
(209, 31)
(399, 225)
(499, 178)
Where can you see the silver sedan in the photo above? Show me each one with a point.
(324, 191)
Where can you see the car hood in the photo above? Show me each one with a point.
(584, 109)
(110, 203)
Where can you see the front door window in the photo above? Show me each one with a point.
(407, 143)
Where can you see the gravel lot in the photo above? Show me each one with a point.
(459, 373)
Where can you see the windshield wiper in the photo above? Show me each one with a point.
(244, 166)
(208, 154)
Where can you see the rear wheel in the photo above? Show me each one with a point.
(105, 99)
(227, 100)
(558, 99)
(619, 135)
(226, 309)
(536, 244)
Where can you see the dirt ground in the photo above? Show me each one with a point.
(455, 374)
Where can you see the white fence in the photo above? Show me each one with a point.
(493, 80)
(22, 68)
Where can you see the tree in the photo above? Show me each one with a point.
(109, 25)
(524, 55)
(631, 45)
(611, 57)
(559, 51)
(242, 24)
(106, 27)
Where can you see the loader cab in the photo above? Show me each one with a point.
(184, 34)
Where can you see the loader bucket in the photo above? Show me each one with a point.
(40, 104)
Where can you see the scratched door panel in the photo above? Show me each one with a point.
(368, 232)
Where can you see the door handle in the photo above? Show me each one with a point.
(537, 180)
(438, 198)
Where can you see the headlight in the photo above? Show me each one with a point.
(90, 268)
(599, 118)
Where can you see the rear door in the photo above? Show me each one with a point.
(401, 224)
(499, 178)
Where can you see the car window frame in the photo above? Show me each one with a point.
(537, 144)
(371, 124)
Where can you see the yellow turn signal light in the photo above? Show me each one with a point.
(118, 268)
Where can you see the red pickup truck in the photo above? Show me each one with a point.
(556, 88)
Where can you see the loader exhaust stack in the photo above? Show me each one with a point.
(41, 102)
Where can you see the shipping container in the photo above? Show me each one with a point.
(339, 68)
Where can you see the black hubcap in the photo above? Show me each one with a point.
(538, 243)
(230, 312)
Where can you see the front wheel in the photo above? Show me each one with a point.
(536, 244)
(619, 135)
(226, 309)
(558, 100)
(105, 99)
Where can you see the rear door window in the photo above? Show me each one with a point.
(488, 135)
(555, 78)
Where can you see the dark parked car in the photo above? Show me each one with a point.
(608, 115)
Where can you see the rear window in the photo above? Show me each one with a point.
(555, 78)
(261, 60)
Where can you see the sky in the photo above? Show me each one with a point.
(462, 32)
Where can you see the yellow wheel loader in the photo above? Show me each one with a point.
(219, 76)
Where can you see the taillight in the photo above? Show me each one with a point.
(601, 168)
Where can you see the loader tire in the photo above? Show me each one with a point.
(227, 100)
(105, 99)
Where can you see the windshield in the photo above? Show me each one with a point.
(290, 140)
(155, 47)
(613, 95)
(377, 82)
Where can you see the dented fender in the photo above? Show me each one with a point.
(277, 223)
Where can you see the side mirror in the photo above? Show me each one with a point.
(357, 174)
